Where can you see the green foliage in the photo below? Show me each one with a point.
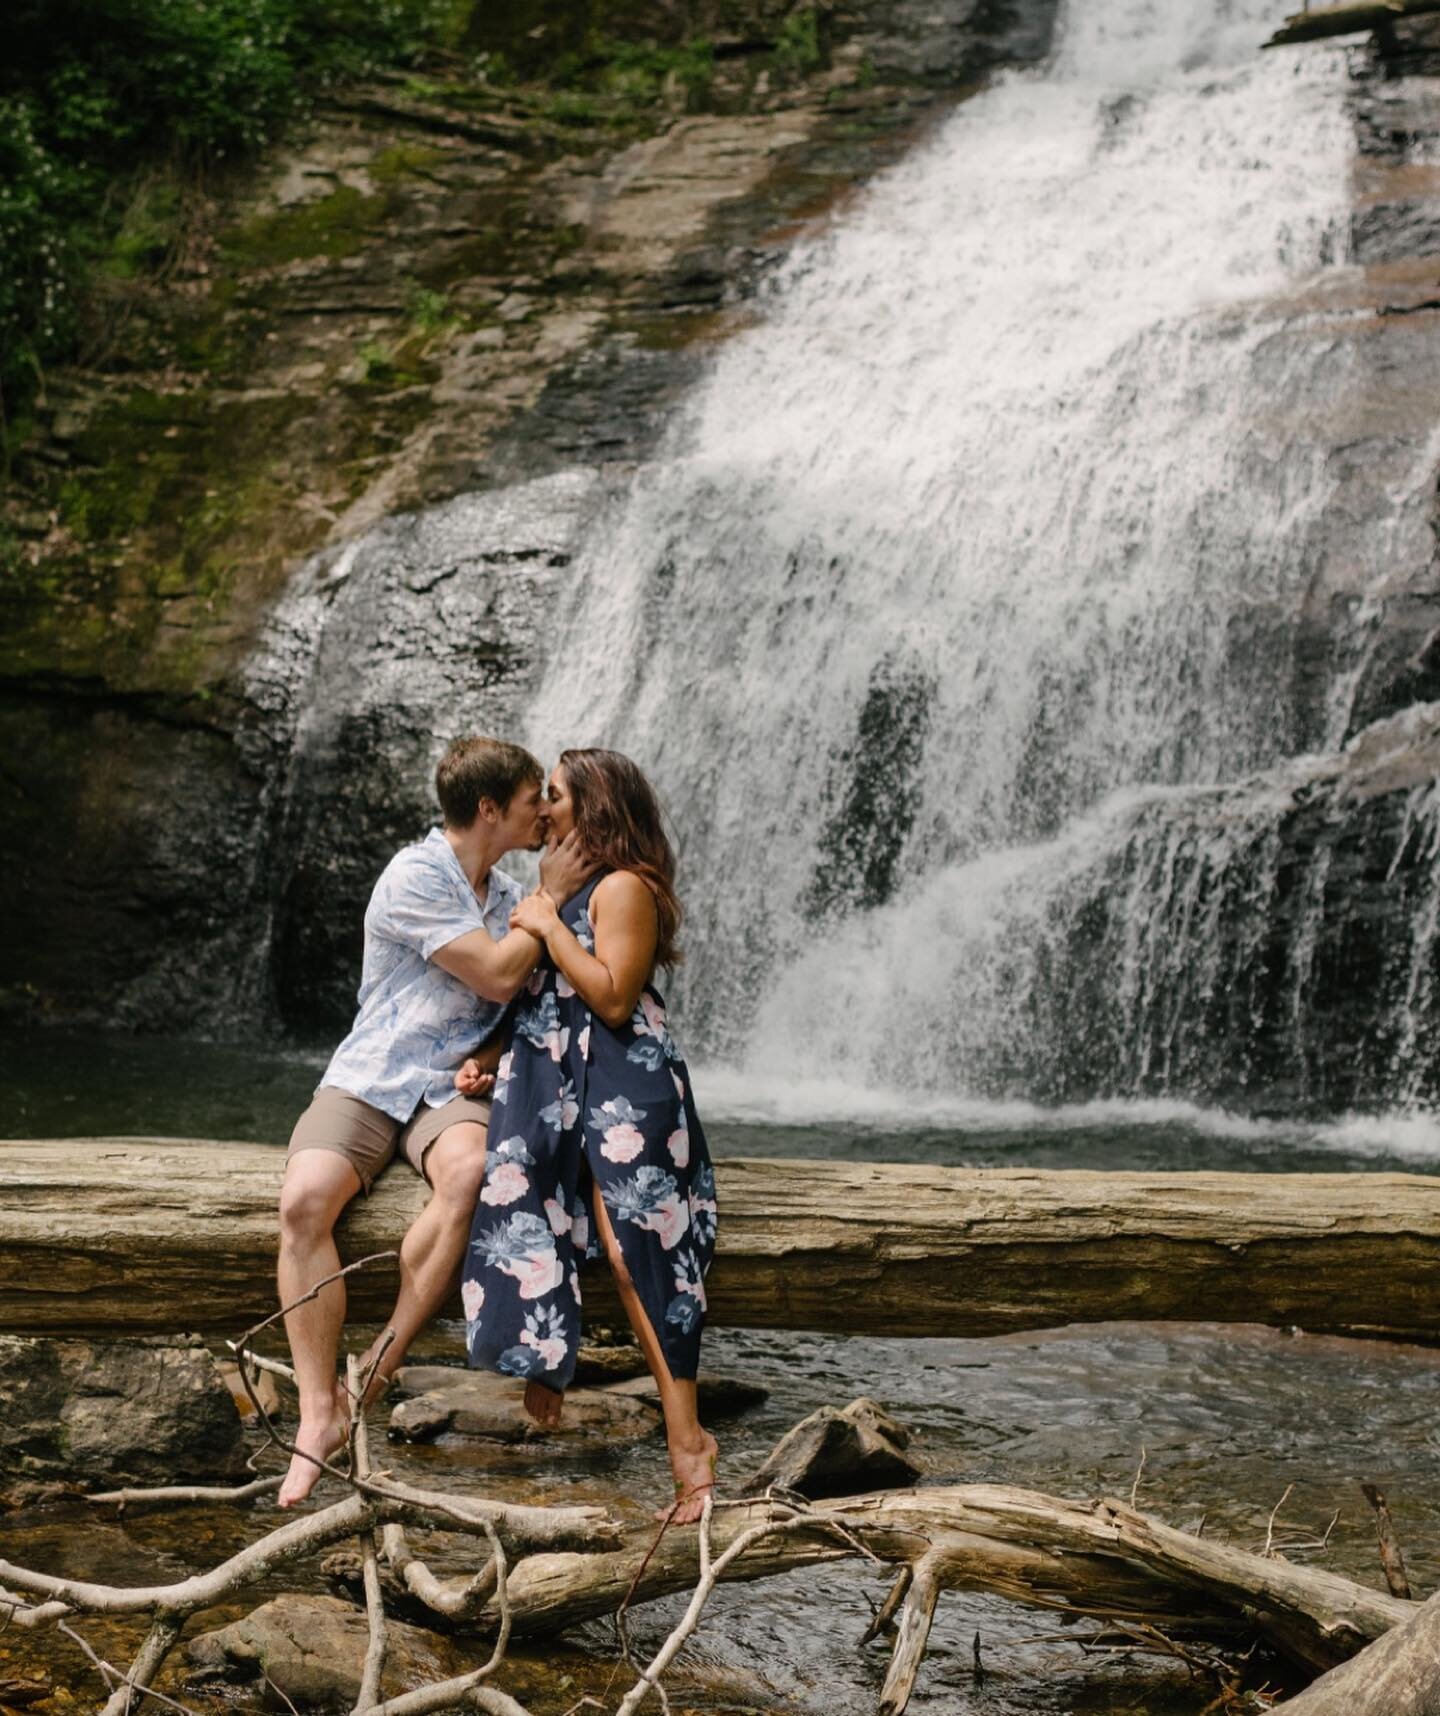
(613, 82)
(104, 95)
(797, 47)
(430, 311)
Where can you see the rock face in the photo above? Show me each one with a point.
(312, 1650)
(89, 1414)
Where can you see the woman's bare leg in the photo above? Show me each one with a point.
(693, 1450)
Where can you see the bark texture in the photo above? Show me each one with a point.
(157, 1236)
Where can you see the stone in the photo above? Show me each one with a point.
(491, 1408)
(312, 1650)
(839, 1451)
(717, 1396)
(93, 1414)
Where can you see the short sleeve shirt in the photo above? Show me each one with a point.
(417, 1023)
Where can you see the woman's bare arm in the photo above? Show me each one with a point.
(610, 979)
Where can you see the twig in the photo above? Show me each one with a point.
(446, 1694)
(370, 1675)
(152, 1653)
(1270, 1527)
(274, 1366)
(180, 1494)
(1135, 1484)
(108, 1672)
(1390, 1556)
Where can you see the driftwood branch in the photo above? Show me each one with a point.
(888, 1248)
(1391, 1558)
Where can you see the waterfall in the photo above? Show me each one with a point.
(995, 538)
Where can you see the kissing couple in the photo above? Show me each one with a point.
(514, 1050)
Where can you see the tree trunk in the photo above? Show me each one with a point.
(133, 1235)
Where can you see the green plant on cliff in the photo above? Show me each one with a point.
(100, 99)
(797, 46)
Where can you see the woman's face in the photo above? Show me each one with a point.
(559, 806)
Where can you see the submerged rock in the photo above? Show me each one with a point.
(84, 1414)
(312, 1650)
(839, 1451)
(717, 1396)
(491, 1407)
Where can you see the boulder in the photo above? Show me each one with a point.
(312, 1650)
(491, 1408)
(717, 1396)
(89, 1414)
(838, 1451)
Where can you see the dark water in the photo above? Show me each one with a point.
(1226, 1418)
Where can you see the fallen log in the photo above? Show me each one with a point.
(1398, 1676)
(144, 1235)
(1352, 19)
(1102, 1560)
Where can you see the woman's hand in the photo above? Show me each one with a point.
(536, 915)
(471, 1081)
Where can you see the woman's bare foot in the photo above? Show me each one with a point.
(543, 1404)
(323, 1433)
(694, 1471)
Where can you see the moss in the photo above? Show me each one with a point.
(403, 161)
(160, 515)
(336, 225)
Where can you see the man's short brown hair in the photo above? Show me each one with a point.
(477, 768)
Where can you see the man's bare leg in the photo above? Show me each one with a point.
(431, 1253)
(693, 1450)
(318, 1185)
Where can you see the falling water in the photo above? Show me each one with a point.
(984, 553)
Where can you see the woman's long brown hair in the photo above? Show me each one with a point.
(621, 825)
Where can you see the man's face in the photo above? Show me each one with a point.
(522, 823)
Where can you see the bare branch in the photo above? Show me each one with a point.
(179, 1495)
(162, 1635)
(375, 1650)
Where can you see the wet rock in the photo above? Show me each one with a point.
(839, 1451)
(491, 1407)
(86, 1414)
(717, 1396)
(312, 1650)
(607, 1356)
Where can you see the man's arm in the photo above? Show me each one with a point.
(493, 969)
(496, 969)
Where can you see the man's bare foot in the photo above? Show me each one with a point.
(543, 1404)
(322, 1434)
(694, 1480)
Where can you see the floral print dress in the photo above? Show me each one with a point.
(579, 1105)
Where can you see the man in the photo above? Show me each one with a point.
(440, 965)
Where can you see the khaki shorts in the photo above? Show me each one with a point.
(368, 1138)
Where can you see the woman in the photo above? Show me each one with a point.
(593, 1112)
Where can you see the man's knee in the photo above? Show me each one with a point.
(318, 1184)
(455, 1165)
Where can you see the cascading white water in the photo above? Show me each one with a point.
(999, 511)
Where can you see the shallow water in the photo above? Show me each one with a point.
(1225, 1418)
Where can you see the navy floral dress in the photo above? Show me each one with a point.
(578, 1104)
